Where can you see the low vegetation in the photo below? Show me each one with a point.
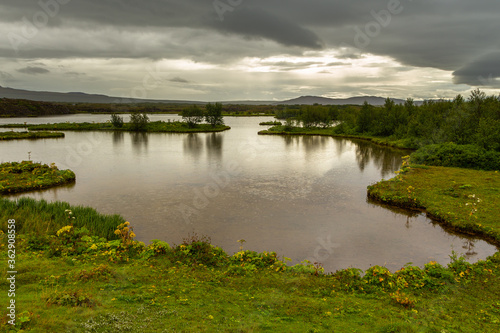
(30, 135)
(26, 108)
(28, 176)
(466, 200)
(270, 123)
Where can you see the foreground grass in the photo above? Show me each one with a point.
(28, 176)
(156, 126)
(330, 131)
(41, 218)
(464, 199)
(29, 135)
(73, 280)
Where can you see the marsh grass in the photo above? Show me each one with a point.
(41, 217)
(30, 135)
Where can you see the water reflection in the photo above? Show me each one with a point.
(214, 144)
(469, 246)
(386, 159)
(118, 137)
(140, 141)
(193, 145)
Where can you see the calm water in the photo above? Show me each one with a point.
(302, 197)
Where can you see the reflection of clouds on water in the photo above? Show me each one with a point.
(286, 187)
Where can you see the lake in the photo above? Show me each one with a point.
(302, 197)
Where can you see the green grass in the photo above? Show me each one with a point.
(464, 199)
(43, 218)
(156, 126)
(29, 135)
(28, 176)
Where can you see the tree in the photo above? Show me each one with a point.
(213, 115)
(116, 120)
(139, 121)
(192, 115)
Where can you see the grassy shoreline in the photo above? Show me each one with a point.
(152, 127)
(314, 131)
(463, 199)
(30, 135)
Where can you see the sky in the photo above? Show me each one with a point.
(270, 50)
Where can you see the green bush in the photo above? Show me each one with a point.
(116, 120)
(461, 156)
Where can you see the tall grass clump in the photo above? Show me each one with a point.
(41, 217)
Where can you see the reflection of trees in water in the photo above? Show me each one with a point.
(118, 137)
(192, 144)
(214, 144)
(140, 140)
(307, 142)
(386, 159)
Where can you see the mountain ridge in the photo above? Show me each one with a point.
(81, 97)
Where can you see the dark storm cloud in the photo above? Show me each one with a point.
(484, 71)
(429, 33)
(33, 70)
(259, 23)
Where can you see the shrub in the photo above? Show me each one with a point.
(192, 115)
(139, 121)
(461, 156)
(116, 120)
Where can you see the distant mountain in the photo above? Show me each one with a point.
(310, 100)
(77, 97)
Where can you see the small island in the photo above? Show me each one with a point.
(26, 176)
(30, 135)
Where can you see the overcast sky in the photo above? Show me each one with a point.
(251, 49)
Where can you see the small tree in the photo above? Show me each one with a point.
(192, 115)
(139, 121)
(213, 115)
(116, 120)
